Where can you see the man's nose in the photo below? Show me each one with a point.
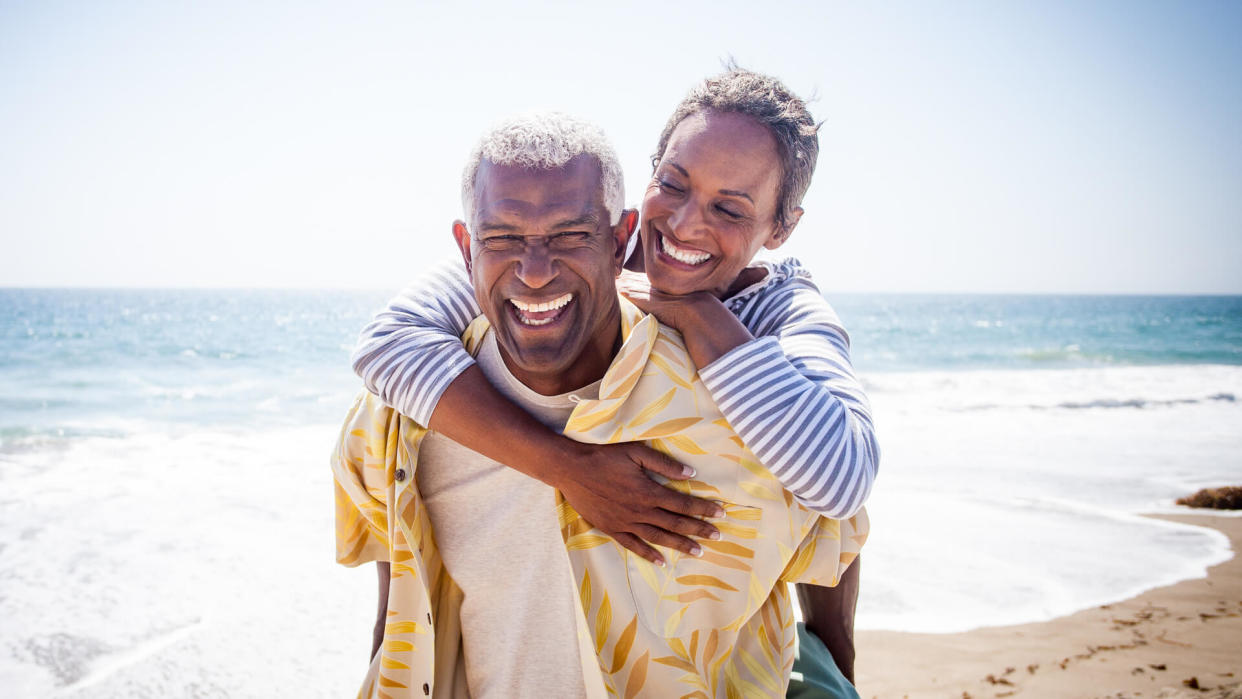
(536, 267)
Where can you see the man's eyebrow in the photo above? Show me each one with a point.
(729, 192)
(589, 219)
(488, 226)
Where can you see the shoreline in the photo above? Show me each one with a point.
(1157, 643)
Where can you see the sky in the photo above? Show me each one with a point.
(978, 147)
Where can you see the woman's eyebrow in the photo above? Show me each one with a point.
(729, 192)
(677, 167)
(737, 193)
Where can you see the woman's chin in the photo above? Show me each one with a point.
(670, 281)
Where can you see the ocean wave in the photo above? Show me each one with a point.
(23, 439)
(1064, 355)
(1135, 403)
(1142, 403)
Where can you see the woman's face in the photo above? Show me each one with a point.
(711, 203)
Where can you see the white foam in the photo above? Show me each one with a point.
(113, 548)
(116, 551)
(996, 505)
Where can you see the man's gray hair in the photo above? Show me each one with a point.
(546, 141)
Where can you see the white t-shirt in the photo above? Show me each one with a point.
(498, 534)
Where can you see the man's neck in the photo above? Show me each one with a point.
(590, 365)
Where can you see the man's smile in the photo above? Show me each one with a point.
(538, 313)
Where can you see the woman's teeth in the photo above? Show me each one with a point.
(689, 257)
(540, 313)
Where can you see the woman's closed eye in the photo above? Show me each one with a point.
(669, 187)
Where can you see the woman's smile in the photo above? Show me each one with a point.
(684, 254)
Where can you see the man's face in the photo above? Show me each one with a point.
(544, 260)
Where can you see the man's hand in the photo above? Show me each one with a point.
(610, 487)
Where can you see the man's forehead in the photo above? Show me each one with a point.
(510, 190)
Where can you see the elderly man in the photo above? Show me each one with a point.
(515, 594)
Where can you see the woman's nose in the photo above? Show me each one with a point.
(684, 220)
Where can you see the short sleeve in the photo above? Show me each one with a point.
(828, 549)
(362, 475)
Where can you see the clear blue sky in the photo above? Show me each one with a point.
(974, 147)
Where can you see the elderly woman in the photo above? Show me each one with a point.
(731, 168)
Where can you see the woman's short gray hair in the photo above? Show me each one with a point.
(545, 141)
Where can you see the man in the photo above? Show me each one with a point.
(493, 604)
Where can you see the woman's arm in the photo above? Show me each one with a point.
(411, 356)
(411, 351)
(782, 376)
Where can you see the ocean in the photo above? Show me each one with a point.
(166, 509)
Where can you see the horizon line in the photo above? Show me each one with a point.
(395, 289)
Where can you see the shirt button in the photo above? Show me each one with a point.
(400, 474)
(426, 688)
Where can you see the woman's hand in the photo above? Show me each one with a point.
(708, 327)
(610, 486)
(673, 311)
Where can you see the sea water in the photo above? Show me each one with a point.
(166, 508)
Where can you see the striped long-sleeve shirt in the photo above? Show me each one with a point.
(790, 393)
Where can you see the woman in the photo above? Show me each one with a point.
(731, 168)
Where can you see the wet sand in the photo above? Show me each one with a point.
(1182, 640)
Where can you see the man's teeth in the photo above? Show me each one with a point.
(682, 255)
(545, 306)
(553, 305)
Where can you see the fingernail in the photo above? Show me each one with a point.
(688, 472)
(696, 552)
(660, 562)
(719, 512)
(715, 536)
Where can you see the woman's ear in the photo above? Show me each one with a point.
(781, 233)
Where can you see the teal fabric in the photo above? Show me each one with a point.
(815, 674)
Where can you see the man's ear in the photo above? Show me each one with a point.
(462, 236)
(781, 233)
(621, 236)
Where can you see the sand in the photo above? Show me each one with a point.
(1163, 643)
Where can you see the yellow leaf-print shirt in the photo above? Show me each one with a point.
(720, 625)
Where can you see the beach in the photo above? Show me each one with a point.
(1179, 640)
(166, 517)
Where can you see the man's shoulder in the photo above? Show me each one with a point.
(372, 419)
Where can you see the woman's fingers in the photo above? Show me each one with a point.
(662, 464)
(686, 526)
(615, 492)
(639, 548)
(663, 537)
(679, 503)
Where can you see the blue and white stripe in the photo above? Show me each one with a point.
(790, 394)
(411, 351)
